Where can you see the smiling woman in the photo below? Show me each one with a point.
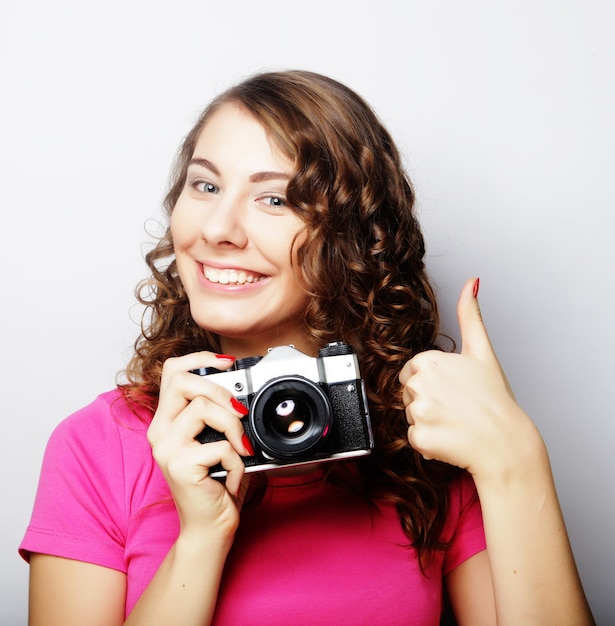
(233, 234)
(291, 221)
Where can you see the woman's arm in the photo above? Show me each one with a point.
(534, 574)
(470, 592)
(461, 410)
(64, 592)
(184, 589)
(528, 559)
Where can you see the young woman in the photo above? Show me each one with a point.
(291, 223)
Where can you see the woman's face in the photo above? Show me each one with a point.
(233, 234)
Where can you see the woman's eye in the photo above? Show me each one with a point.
(274, 201)
(204, 187)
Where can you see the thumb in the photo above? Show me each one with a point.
(475, 341)
(474, 338)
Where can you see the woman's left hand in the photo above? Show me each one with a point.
(460, 407)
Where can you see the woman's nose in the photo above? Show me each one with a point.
(224, 224)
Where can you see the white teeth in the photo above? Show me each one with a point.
(230, 277)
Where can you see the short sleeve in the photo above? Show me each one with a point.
(464, 526)
(79, 509)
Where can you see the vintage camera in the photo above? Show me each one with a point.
(301, 408)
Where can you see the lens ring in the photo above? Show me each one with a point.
(290, 417)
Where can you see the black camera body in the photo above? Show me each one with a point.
(301, 408)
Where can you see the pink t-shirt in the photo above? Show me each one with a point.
(309, 553)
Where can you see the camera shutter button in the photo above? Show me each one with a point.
(335, 348)
(247, 362)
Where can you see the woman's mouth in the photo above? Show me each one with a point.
(230, 276)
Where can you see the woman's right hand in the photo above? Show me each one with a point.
(187, 404)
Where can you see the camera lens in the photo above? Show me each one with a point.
(290, 417)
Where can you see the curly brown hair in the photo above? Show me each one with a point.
(362, 263)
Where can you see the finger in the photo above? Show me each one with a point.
(183, 386)
(199, 459)
(191, 362)
(232, 463)
(475, 340)
(174, 371)
(243, 489)
(411, 367)
(406, 396)
(405, 373)
(411, 374)
(409, 416)
(422, 440)
(213, 401)
(413, 441)
(196, 360)
(203, 412)
(234, 477)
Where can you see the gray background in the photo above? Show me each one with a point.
(503, 110)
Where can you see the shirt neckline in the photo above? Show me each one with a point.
(307, 477)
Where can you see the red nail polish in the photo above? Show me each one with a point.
(247, 445)
(225, 357)
(240, 408)
(476, 286)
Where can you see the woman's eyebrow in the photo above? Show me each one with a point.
(204, 163)
(258, 177)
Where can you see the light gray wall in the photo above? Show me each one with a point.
(503, 110)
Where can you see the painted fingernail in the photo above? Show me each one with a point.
(225, 357)
(247, 445)
(476, 286)
(239, 407)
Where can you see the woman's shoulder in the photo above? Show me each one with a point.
(89, 483)
(108, 420)
(109, 406)
(105, 441)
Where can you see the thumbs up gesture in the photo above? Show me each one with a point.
(460, 407)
